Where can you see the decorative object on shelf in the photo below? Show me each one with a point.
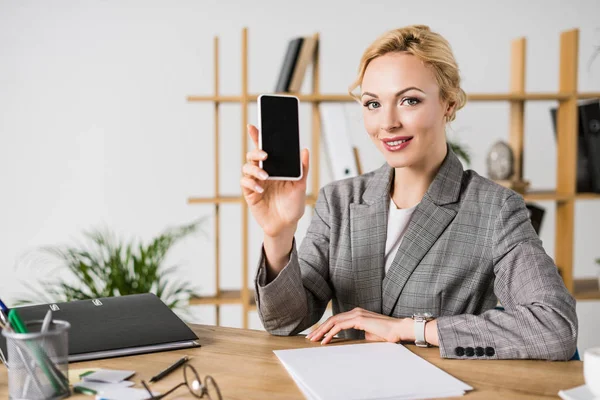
(105, 266)
(500, 161)
(500, 167)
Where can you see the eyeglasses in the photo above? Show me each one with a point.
(194, 385)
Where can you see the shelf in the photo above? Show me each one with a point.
(546, 195)
(225, 297)
(310, 200)
(347, 98)
(587, 196)
(215, 200)
(549, 195)
(588, 95)
(586, 289)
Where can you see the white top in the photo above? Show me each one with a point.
(398, 219)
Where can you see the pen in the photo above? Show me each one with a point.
(170, 369)
(3, 307)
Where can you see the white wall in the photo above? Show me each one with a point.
(95, 128)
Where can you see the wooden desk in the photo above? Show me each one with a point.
(243, 364)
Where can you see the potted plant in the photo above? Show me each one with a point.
(105, 266)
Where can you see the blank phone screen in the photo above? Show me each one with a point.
(280, 136)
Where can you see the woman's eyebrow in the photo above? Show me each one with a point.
(397, 94)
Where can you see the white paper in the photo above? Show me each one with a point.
(125, 394)
(367, 371)
(108, 376)
(577, 393)
(100, 387)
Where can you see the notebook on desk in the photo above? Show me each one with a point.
(116, 326)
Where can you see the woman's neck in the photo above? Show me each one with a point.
(411, 183)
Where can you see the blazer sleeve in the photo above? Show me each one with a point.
(539, 319)
(297, 298)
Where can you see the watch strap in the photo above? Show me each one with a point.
(419, 327)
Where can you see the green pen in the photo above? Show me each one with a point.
(17, 323)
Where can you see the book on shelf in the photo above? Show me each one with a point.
(589, 115)
(289, 63)
(299, 55)
(588, 146)
(304, 59)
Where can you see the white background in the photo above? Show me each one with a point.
(96, 131)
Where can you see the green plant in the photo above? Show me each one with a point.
(460, 150)
(105, 266)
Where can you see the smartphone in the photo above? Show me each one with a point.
(279, 136)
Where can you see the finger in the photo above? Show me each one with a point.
(305, 158)
(254, 171)
(253, 132)
(250, 185)
(256, 155)
(342, 325)
(330, 323)
(338, 317)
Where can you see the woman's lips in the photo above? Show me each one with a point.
(396, 143)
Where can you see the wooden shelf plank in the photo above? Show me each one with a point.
(551, 195)
(588, 95)
(546, 195)
(586, 289)
(340, 97)
(587, 196)
(225, 297)
(534, 195)
(215, 200)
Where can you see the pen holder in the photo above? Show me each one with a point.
(38, 366)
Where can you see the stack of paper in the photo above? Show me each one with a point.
(367, 371)
(577, 393)
(109, 384)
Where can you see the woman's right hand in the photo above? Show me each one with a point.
(276, 205)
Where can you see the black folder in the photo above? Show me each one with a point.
(115, 326)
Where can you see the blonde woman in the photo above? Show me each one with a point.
(418, 250)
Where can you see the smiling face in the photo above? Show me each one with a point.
(403, 112)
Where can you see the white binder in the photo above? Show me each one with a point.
(337, 141)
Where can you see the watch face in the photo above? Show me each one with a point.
(423, 315)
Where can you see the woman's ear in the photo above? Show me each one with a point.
(449, 110)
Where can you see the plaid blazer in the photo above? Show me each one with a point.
(469, 244)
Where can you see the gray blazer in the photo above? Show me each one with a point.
(469, 244)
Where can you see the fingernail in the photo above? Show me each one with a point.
(259, 189)
(263, 175)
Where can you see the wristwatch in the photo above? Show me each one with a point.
(420, 320)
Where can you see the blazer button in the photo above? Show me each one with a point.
(459, 351)
(470, 352)
(479, 351)
(489, 351)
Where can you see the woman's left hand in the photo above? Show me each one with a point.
(377, 327)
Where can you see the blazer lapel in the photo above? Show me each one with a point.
(368, 230)
(430, 219)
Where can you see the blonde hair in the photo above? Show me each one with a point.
(429, 47)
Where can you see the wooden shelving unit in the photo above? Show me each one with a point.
(564, 195)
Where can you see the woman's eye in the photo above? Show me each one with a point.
(372, 105)
(411, 101)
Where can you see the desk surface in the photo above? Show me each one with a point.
(243, 364)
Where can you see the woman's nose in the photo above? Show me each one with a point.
(390, 121)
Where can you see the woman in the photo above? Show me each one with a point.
(417, 238)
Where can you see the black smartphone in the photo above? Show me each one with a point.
(279, 136)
